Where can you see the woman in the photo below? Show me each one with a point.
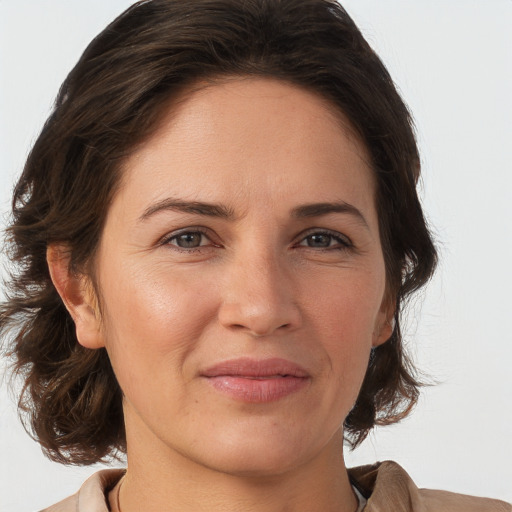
(217, 229)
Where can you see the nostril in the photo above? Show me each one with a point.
(259, 318)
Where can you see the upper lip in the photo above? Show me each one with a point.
(248, 367)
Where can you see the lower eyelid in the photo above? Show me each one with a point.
(166, 240)
(340, 239)
(344, 242)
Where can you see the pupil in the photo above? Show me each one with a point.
(189, 240)
(319, 240)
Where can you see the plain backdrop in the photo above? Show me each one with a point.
(451, 59)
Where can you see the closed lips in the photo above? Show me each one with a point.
(256, 381)
(256, 369)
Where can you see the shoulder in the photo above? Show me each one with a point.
(450, 501)
(387, 483)
(92, 495)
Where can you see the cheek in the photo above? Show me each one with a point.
(347, 308)
(153, 320)
(344, 317)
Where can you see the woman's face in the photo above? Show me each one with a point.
(242, 279)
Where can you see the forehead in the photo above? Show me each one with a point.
(244, 138)
(226, 105)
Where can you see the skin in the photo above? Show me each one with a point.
(262, 284)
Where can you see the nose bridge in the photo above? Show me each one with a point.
(263, 274)
(259, 294)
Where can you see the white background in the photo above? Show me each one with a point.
(451, 60)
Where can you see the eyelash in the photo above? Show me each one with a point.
(189, 231)
(344, 242)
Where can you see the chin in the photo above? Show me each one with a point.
(254, 464)
(259, 453)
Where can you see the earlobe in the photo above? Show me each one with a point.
(383, 332)
(77, 294)
(385, 324)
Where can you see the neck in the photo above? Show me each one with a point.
(161, 479)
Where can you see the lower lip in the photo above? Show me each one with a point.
(252, 390)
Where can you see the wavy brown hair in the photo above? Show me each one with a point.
(111, 101)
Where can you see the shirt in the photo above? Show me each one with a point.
(386, 486)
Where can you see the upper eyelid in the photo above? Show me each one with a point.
(299, 238)
(325, 231)
(174, 234)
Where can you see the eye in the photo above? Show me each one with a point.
(192, 239)
(326, 240)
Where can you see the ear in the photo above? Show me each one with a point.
(77, 293)
(385, 323)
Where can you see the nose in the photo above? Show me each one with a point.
(260, 297)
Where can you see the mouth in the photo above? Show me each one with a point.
(256, 381)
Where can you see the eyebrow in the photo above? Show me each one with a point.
(224, 212)
(319, 209)
(195, 207)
